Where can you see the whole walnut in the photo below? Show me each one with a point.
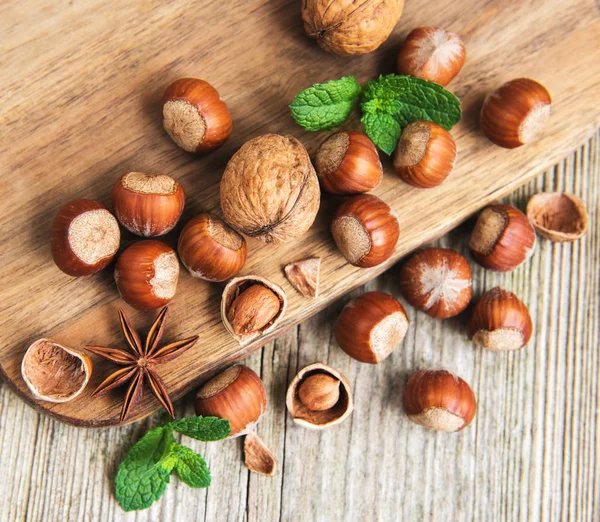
(270, 189)
(350, 26)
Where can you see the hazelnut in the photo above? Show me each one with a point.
(319, 392)
(439, 400)
(365, 230)
(558, 216)
(237, 394)
(85, 237)
(252, 306)
(195, 116)
(304, 276)
(258, 457)
(437, 281)
(270, 190)
(515, 113)
(426, 154)
(371, 326)
(146, 274)
(210, 249)
(341, 27)
(500, 321)
(55, 373)
(316, 386)
(348, 163)
(148, 204)
(432, 54)
(503, 239)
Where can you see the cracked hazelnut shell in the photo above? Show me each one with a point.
(348, 163)
(304, 276)
(371, 326)
(85, 237)
(210, 249)
(148, 205)
(439, 400)
(342, 27)
(55, 373)
(365, 230)
(253, 308)
(516, 113)
(270, 190)
(146, 274)
(503, 239)
(558, 216)
(500, 321)
(318, 419)
(437, 281)
(194, 115)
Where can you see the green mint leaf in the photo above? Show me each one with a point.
(406, 99)
(144, 474)
(325, 105)
(202, 428)
(383, 129)
(191, 468)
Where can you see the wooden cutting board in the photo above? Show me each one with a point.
(80, 105)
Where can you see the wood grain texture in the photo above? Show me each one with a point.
(80, 105)
(531, 454)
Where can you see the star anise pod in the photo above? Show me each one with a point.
(139, 363)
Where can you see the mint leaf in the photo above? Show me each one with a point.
(202, 428)
(144, 474)
(325, 105)
(406, 99)
(191, 468)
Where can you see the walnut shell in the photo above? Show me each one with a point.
(55, 373)
(270, 189)
(234, 288)
(350, 26)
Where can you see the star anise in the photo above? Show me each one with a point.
(139, 363)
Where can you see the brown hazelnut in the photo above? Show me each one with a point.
(251, 306)
(500, 321)
(516, 113)
(270, 190)
(195, 116)
(55, 373)
(558, 216)
(210, 249)
(319, 392)
(258, 457)
(426, 154)
(439, 400)
(85, 237)
(148, 204)
(343, 28)
(146, 274)
(371, 326)
(237, 394)
(348, 163)
(365, 230)
(437, 281)
(432, 54)
(304, 276)
(503, 239)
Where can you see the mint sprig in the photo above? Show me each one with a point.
(144, 474)
(325, 105)
(388, 104)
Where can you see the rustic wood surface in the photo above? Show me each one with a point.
(531, 454)
(80, 105)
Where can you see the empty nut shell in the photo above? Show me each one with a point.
(558, 216)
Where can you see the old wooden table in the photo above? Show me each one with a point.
(532, 452)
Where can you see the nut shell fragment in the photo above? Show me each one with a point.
(258, 457)
(304, 276)
(319, 420)
(55, 373)
(233, 290)
(559, 217)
